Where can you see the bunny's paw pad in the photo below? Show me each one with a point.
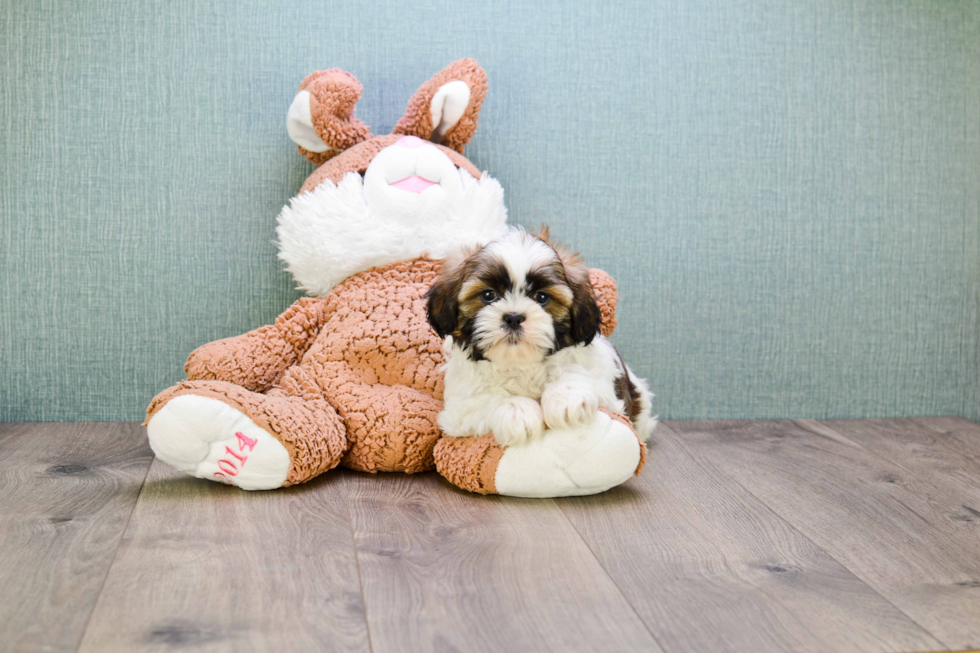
(209, 439)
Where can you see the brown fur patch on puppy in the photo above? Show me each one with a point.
(585, 319)
(626, 391)
(443, 297)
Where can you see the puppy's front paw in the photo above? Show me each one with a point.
(568, 403)
(517, 421)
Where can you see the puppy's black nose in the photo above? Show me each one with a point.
(513, 320)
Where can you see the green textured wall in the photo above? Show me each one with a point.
(787, 192)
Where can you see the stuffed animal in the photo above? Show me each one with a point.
(351, 375)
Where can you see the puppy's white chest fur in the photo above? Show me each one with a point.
(528, 379)
(517, 401)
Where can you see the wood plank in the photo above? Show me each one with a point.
(928, 455)
(886, 524)
(708, 567)
(203, 565)
(957, 433)
(66, 494)
(445, 570)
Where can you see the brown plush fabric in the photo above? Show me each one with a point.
(417, 120)
(257, 359)
(360, 156)
(352, 378)
(377, 361)
(317, 158)
(333, 94)
(305, 424)
(469, 463)
(604, 288)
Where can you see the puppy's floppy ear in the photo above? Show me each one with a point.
(585, 314)
(443, 307)
(443, 297)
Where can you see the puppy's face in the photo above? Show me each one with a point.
(517, 300)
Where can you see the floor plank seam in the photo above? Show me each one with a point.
(357, 562)
(897, 463)
(876, 453)
(112, 561)
(790, 524)
(653, 635)
(924, 423)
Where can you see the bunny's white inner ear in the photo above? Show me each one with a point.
(299, 124)
(448, 106)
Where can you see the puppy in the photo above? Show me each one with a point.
(523, 347)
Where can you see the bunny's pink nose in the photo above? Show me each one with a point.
(411, 141)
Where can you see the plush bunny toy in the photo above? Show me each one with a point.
(351, 375)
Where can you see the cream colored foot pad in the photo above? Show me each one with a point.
(209, 439)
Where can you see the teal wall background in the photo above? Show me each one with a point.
(787, 192)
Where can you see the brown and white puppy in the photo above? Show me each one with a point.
(523, 347)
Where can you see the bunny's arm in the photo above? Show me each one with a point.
(606, 296)
(257, 359)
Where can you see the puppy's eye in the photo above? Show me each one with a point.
(488, 296)
(541, 298)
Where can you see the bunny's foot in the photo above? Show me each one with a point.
(221, 432)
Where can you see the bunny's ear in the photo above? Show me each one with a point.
(321, 118)
(444, 109)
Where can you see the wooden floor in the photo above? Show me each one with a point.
(739, 536)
